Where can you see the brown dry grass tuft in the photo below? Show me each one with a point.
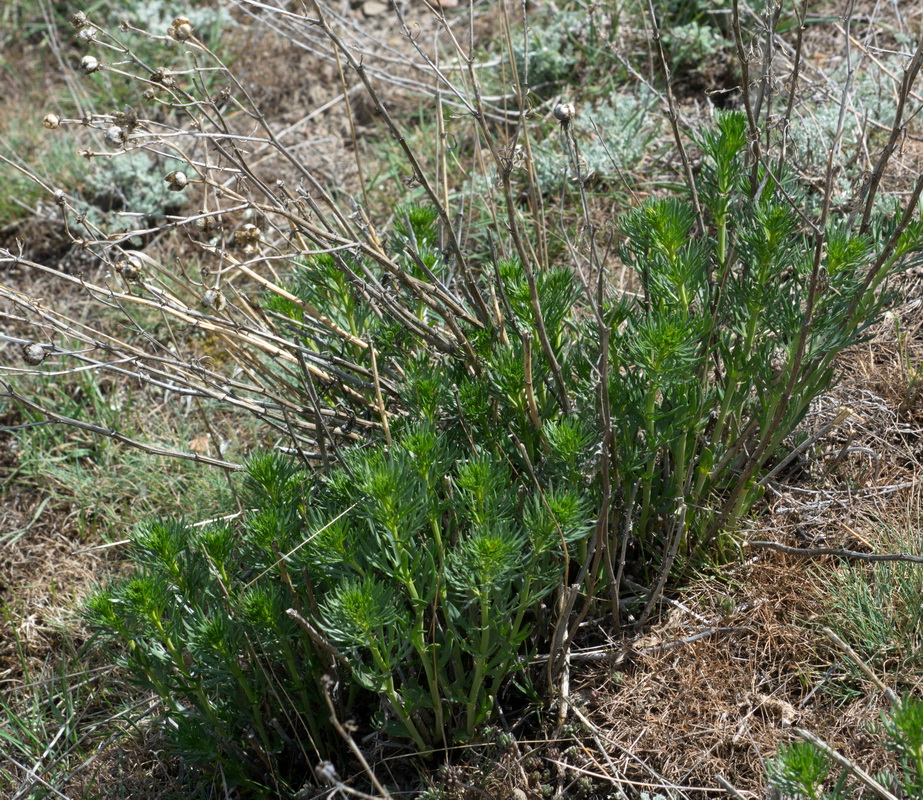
(722, 704)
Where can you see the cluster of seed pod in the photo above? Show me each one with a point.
(115, 136)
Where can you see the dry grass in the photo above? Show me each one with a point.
(719, 706)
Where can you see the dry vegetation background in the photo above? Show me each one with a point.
(735, 661)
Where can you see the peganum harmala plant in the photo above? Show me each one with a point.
(426, 567)
(413, 575)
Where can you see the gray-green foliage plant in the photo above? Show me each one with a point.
(693, 43)
(422, 568)
(550, 56)
(128, 183)
(877, 607)
(156, 15)
(615, 136)
(818, 120)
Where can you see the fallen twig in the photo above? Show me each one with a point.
(861, 775)
(730, 788)
(854, 656)
(841, 552)
(8, 391)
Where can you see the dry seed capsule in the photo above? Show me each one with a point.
(214, 299)
(162, 76)
(248, 236)
(33, 354)
(59, 197)
(130, 270)
(115, 137)
(205, 224)
(564, 113)
(88, 65)
(181, 29)
(51, 121)
(327, 773)
(177, 181)
(86, 35)
(79, 20)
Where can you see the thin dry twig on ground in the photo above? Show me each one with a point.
(840, 552)
(860, 774)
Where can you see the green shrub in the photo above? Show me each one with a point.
(798, 770)
(415, 569)
(419, 576)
